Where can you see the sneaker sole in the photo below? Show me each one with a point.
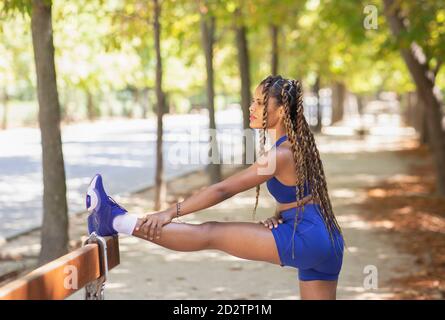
(94, 196)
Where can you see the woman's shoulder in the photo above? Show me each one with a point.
(281, 156)
(286, 162)
(285, 150)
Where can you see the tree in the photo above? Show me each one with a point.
(160, 191)
(316, 90)
(274, 31)
(338, 99)
(54, 232)
(423, 64)
(16, 54)
(208, 40)
(244, 68)
(54, 239)
(414, 28)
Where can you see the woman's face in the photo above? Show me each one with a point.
(274, 112)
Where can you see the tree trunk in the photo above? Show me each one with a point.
(412, 108)
(362, 131)
(316, 90)
(5, 109)
(413, 114)
(274, 56)
(91, 114)
(54, 239)
(408, 109)
(417, 116)
(244, 67)
(412, 103)
(425, 85)
(160, 191)
(208, 38)
(360, 104)
(423, 123)
(338, 102)
(144, 102)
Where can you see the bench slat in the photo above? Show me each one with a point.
(52, 281)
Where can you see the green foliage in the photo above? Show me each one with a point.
(16, 70)
(12, 7)
(106, 46)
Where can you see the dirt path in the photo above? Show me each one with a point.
(368, 247)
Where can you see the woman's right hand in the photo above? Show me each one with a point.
(271, 222)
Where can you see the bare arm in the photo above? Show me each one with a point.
(262, 170)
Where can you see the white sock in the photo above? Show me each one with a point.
(125, 223)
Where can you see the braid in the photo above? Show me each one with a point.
(267, 83)
(317, 178)
(308, 164)
(322, 193)
(294, 130)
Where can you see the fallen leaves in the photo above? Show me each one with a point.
(406, 205)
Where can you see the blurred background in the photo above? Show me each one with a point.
(111, 86)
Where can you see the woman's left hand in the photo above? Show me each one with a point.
(152, 223)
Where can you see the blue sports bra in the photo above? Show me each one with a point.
(281, 192)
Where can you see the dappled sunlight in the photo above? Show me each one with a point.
(103, 161)
(357, 224)
(170, 256)
(129, 240)
(344, 193)
(339, 131)
(386, 224)
(429, 222)
(353, 249)
(113, 285)
(406, 205)
(367, 179)
(242, 200)
(121, 271)
(134, 254)
(369, 146)
(414, 183)
(360, 293)
(18, 252)
(353, 221)
(343, 140)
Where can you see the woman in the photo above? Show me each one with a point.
(303, 233)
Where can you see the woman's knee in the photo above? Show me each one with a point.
(208, 230)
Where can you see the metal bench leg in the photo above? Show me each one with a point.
(95, 289)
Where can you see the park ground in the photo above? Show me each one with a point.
(381, 186)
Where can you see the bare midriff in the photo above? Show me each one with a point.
(285, 206)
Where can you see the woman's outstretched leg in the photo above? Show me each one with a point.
(245, 240)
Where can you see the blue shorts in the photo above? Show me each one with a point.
(314, 254)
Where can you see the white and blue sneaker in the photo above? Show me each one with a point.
(102, 208)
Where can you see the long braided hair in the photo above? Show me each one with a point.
(308, 164)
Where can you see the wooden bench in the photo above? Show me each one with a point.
(84, 267)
